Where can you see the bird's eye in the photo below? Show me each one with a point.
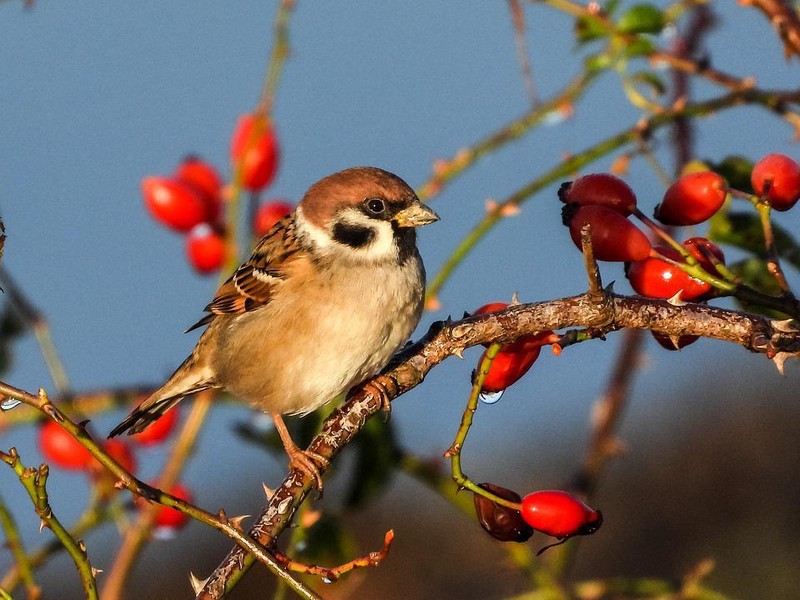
(375, 206)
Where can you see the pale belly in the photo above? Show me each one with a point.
(290, 362)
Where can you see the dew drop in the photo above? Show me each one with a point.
(165, 534)
(9, 403)
(490, 397)
(327, 580)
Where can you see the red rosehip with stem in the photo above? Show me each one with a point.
(776, 179)
(254, 150)
(61, 449)
(692, 199)
(602, 189)
(203, 178)
(507, 368)
(560, 514)
(268, 214)
(205, 248)
(502, 523)
(614, 238)
(656, 278)
(173, 203)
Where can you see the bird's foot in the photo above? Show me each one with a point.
(308, 462)
(380, 387)
(303, 460)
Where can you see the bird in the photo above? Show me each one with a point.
(326, 298)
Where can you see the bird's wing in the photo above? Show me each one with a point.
(254, 283)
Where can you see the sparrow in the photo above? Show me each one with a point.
(328, 295)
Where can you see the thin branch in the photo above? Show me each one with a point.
(784, 20)
(14, 544)
(753, 332)
(445, 170)
(775, 101)
(35, 319)
(35, 481)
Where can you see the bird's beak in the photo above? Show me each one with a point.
(415, 215)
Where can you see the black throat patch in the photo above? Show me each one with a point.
(355, 236)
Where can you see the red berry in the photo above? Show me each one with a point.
(501, 522)
(254, 149)
(674, 343)
(692, 199)
(122, 453)
(614, 238)
(559, 514)
(205, 249)
(159, 430)
(169, 518)
(776, 177)
(203, 178)
(173, 203)
(655, 278)
(268, 214)
(61, 449)
(601, 189)
(507, 368)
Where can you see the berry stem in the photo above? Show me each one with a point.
(773, 260)
(454, 452)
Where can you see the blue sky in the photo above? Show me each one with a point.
(94, 96)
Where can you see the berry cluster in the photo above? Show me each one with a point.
(191, 201)
(62, 450)
(692, 270)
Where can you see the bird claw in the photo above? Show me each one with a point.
(309, 463)
(377, 387)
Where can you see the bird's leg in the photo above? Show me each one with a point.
(304, 460)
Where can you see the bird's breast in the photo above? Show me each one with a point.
(319, 336)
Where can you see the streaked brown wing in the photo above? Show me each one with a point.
(253, 284)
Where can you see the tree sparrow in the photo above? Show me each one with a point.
(329, 294)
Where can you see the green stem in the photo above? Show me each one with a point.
(454, 451)
(35, 481)
(771, 100)
(447, 170)
(14, 544)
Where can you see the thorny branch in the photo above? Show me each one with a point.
(602, 310)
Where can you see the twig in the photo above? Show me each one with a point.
(784, 20)
(773, 256)
(454, 452)
(33, 318)
(753, 332)
(139, 533)
(14, 544)
(331, 574)
(772, 100)
(230, 527)
(34, 481)
(445, 170)
(518, 20)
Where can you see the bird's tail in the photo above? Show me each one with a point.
(184, 382)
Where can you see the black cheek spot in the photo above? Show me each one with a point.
(355, 236)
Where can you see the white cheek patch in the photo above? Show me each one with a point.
(380, 248)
